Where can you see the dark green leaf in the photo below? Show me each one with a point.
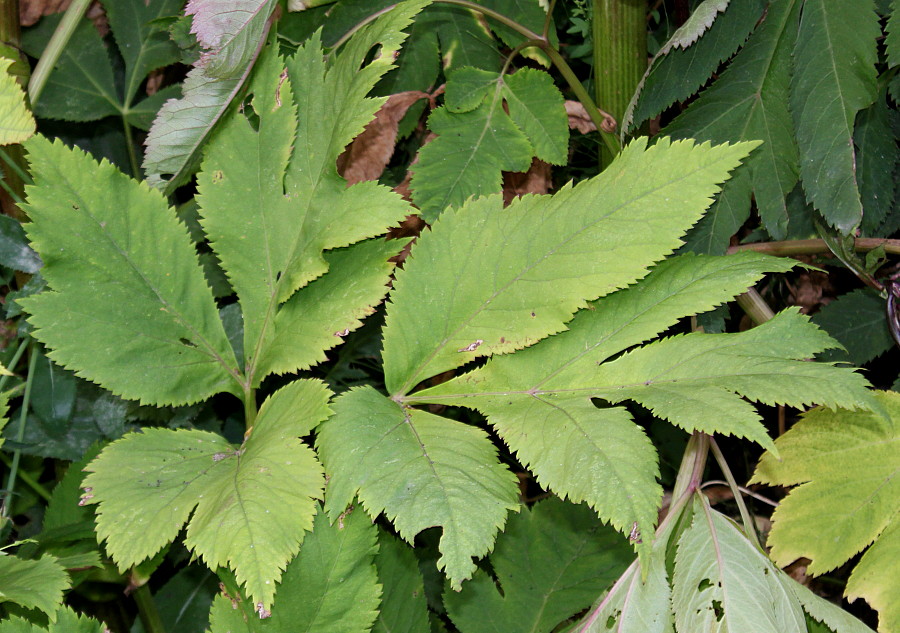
(858, 321)
(15, 252)
(404, 608)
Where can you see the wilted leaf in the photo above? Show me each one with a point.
(230, 33)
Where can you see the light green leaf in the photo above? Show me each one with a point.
(722, 582)
(845, 465)
(871, 577)
(144, 44)
(272, 252)
(404, 608)
(527, 398)
(230, 33)
(750, 101)
(533, 264)
(834, 78)
(253, 502)
(857, 320)
(638, 602)
(16, 122)
(34, 584)
(66, 621)
(417, 468)
(824, 611)
(550, 563)
(142, 114)
(477, 140)
(128, 307)
(678, 73)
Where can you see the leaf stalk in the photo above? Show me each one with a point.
(147, 610)
(55, 47)
(746, 519)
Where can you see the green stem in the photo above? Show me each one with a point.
(755, 307)
(20, 436)
(749, 525)
(816, 247)
(132, 155)
(249, 409)
(303, 5)
(11, 366)
(619, 32)
(55, 46)
(693, 462)
(32, 483)
(15, 197)
(147, 610)
(15, 166)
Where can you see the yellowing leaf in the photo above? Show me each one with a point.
(847, 497)
(16, 122)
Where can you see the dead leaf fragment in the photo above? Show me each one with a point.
(368, 155)
(578, 117)
(536, 180)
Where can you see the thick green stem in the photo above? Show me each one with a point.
(147, 610)
(249, 409)
(693, 462)
(55, 46)
(619, 30)
(816, 247)
(755, 307)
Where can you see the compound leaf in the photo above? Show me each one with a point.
(546, 255)
(128, 307)
(253, 502)
(16, 122)
(844, 465)
(33, 584)
(834, 78)
(417, 468)
(550, 562)
(750, 101)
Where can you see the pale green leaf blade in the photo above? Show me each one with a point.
(142, 114)
(81, 86)
(16, 122)
(585, 454)
(129, 307)
(33, 584)
(230, 33)
(467, 88)
(635, 604)
(182, 126)
(556, 252)
(722, 582)
(822, 610)
(877, 578)
(857, 321)
(537, 107)
(417, 468)
(680, 72)
(550, 563)
(468, 156)
(143, 44)
(834, 78)
(846, 465)
(404, 608)
(750, 101)
(699, 21)
(253, 502)
(318, 316)
(66, 621)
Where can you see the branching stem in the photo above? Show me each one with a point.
(749, 525)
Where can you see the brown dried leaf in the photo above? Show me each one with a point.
(30, 11)
(403, 188)
(578, 118)
(368, 155)
(535, 180)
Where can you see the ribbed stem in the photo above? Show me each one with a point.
(620, 56)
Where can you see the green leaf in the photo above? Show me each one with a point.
(892, 40)
(404, 608)
(128, 306)
(15, 252)
(722, 582)
(304, 209)
(546, 256)
(17, 123)
(844, 465)
(857, 320)
(142, 41)
(417, 468)
(678, 72)
(184, 601)
(4, 414)
(528, 13)
(565, 439)
(81, 86)
(730, 210)
(54, 392)
(34, 584)
(822, 610)
(66, 621)
(834, 78)
(253, 502)
(750, 101)
(550, 563)
(876, 162)
(697, 24)
(477, 140)
(330, 586)
(230, 32)
(464, 38)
